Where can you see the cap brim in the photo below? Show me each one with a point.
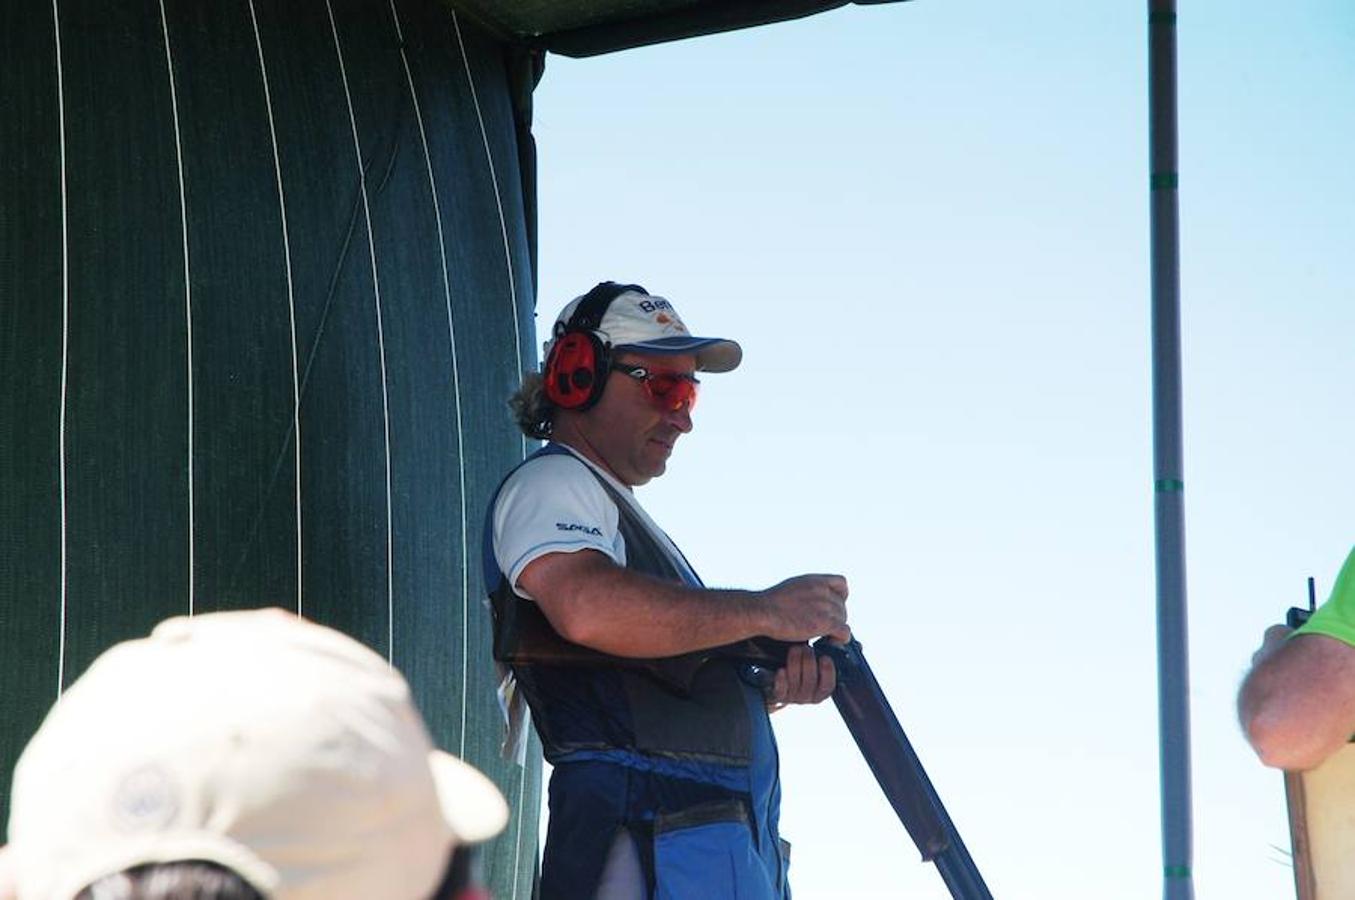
(473, 806)
(712, 354)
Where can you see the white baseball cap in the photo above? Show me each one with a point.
(636, 320)
(277, 748)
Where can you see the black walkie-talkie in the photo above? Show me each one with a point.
(1296, 615)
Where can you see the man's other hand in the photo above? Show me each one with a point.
(1273, 639)
(806, 607)
(806, 678)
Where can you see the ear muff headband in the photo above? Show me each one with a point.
(579, 361)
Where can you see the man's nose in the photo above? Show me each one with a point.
(680, 418)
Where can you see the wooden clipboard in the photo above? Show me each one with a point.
(1322, 827)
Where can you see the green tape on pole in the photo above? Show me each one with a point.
(1164, 181)
(1176, 871)
(1162, 17)
(1169, 486)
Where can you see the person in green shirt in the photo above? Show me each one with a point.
(1297, 705)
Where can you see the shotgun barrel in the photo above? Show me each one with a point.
(868, 716)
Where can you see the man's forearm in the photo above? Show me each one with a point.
(1297, 706)
(627, 613)
(592, 601)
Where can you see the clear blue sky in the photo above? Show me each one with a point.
(927, 224)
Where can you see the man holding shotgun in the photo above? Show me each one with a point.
(662, 786)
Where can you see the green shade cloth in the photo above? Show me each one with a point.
(265, 284)
(590, 27)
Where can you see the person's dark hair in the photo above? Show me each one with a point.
(187, 880)
(532, 411)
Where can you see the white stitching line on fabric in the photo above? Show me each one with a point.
(380, 339)
(65, 344)
(517, 839)
(498, 202)
(291, 298)
(188, 300)
(456, 383)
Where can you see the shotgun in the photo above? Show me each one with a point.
(868, 716)
(859, 700)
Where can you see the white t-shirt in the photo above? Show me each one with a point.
(553, 504)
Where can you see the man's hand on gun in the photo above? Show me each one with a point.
(801, 609)
(806, 678)
(807, 607)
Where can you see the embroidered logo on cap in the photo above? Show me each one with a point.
(146, 800)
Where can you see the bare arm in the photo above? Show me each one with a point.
(592, 601)
(1297, 706)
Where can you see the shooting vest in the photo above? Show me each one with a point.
(582, 700)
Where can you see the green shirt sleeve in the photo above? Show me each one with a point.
(1336, 617)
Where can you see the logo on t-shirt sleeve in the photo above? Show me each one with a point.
(574, 526)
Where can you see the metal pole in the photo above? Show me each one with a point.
(1168, 477)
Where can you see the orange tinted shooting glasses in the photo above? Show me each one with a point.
(669, 391)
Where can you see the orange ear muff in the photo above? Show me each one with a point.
(579, 361)
(572, 376)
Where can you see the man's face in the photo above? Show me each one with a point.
(632, 435)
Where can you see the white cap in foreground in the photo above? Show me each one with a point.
(280, 749)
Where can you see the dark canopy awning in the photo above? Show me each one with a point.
(590, 27)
